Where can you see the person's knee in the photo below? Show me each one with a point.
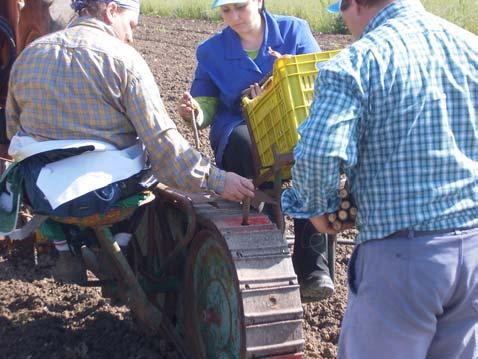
(238, 154)
(241, 139)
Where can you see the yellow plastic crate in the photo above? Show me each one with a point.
(275, 115)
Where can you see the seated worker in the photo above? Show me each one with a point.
(85, 87)
(237, 58)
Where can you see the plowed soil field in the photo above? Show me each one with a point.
(42, 319)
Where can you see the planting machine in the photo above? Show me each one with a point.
(213, 277)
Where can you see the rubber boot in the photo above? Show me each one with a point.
(310, 262)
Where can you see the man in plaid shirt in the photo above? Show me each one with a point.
(397, 111)
(87, 82)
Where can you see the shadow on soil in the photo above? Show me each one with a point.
(85, 335)
(17, 262)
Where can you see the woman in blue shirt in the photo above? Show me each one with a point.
(230, 61)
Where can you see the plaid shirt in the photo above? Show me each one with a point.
(84, 83)
(398, 113)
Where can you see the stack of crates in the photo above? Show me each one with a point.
(275, 115)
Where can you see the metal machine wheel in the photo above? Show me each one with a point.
(240, 295)
(214, 323)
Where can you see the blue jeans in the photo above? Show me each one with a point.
(413, 295)
(98, 201)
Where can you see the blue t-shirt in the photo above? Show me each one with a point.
(224, 69)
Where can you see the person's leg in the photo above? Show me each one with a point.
(397, 289)
(457, 328)
(310, 261)
(310, 247)
(69, 266)
(237, 155)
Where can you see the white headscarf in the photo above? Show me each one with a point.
(132, 5)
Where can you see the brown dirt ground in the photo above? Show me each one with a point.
(42, 319)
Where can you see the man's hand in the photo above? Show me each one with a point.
(323, 225)
(236, 188)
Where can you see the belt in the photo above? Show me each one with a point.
(411, 233)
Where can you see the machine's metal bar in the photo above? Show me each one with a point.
(277, 168)
(195, 129)
(185, 204)
(153, 317)
(246, 206)
(331, 252)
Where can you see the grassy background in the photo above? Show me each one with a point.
(461, 12)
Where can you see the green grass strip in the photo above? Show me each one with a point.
(461, 12)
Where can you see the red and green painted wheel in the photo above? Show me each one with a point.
(212, 301)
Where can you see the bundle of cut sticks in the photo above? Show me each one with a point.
(347, 212)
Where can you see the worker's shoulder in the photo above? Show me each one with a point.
(288, 22)
(216, 40)
(89, 42)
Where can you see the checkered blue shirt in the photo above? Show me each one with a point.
(398, 113)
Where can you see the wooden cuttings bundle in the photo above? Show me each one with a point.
(347, 212)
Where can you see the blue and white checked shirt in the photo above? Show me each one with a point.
(398, 113)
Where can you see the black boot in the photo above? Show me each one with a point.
(310, 262)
